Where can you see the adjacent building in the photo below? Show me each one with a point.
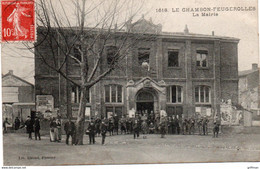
(17, 97)
(182, 73)
(249, 97)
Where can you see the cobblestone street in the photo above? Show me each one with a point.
(123, 149)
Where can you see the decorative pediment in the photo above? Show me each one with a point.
(144, 26)
(147, 82)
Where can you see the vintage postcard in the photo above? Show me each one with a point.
(98, 82)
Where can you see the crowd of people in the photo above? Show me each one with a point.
(114, 125)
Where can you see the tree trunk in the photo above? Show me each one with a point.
(80, 130)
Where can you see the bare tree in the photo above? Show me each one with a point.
(94, 28)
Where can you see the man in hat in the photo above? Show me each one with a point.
(4, 125)
(17, 123)
(103, 130)
(37, 128)
(91, 129)
(136, 129)
(70, 128)
(29, 126)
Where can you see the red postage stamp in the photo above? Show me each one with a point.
(18, 20)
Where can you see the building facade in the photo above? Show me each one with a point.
(181, 73)
(18, 97)
(249, 88)
(249, 97)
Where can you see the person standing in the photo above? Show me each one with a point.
(199, 123)
(4, 125)
(215, 129)
(144, 127)
(192, 126)
(170, 125)
(177, 124)
(136, 129)
(17, 123)
(58, 123)
(91, 129)
(103, 130)
(205, 126)
(53, 130)
(29, 126)
(37, 128)
(116, 123)
(70, 128)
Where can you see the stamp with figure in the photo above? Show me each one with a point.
(18, 20)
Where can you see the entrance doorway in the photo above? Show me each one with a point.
(145, 108)
(145, 102)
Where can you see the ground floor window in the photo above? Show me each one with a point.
(114, 110)
(174, 94)
(113, 94)
(202, 94)
(174, 111)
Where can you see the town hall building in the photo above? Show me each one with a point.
(181, 73)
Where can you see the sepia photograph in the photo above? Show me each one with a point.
(110, 82)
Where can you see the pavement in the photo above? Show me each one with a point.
(123, 149)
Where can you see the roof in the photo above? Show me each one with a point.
(150, 28)
(10, 74)
(246, 72)
(196, 35)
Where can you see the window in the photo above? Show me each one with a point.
(77, 52)
(75, 95)
(174, 94)
(143, 55)
(202, 94)
(112, 54)
(113, 94)
(173, 58)
(201, 58)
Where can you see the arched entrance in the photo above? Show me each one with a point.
(146, 101)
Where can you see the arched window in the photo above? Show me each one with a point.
(174, 94)
(113, 94)
(202, 94)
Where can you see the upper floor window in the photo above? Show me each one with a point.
(113, 94)
(112, 54)
(143, 55)
(76, 51)
(75, 95)
(202, 94)
(174, 94)
(201, 58)
(173, 58)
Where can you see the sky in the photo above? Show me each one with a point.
(238, 24)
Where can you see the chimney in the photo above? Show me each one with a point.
(11, 72)
(213, 33)
(186, 30)
(254, 66)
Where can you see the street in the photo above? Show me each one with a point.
(123, 149)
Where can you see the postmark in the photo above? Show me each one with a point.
(18, 20)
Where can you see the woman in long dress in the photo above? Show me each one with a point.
(53, 127)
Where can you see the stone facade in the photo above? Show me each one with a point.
(202, 70)
(249, 88)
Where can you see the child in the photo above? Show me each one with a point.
(215, 129)
(103, 129)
